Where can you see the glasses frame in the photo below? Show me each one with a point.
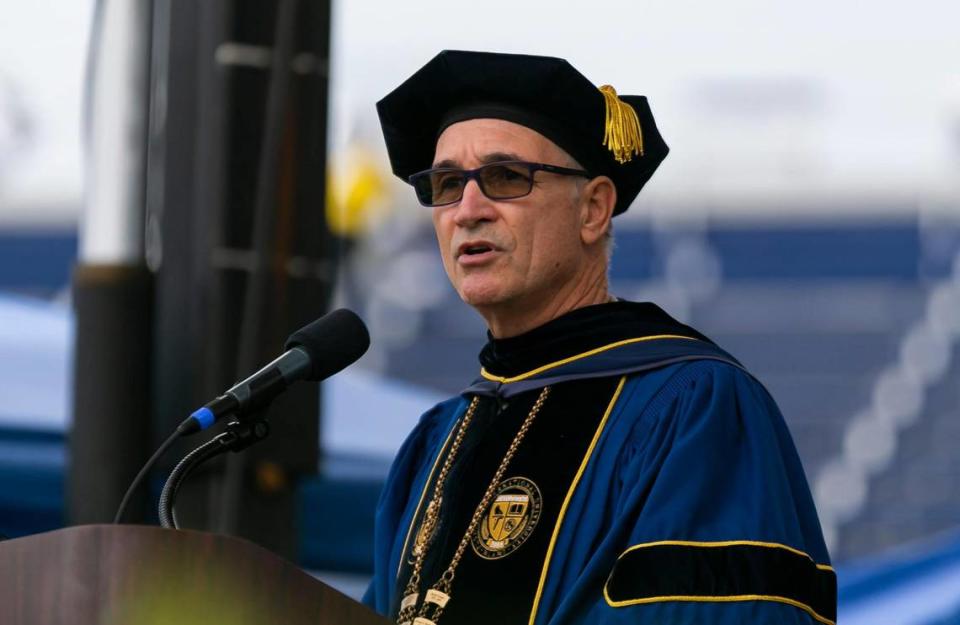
(474, 174)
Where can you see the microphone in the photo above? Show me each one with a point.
(314, 352)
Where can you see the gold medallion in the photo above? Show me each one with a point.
(511, 518)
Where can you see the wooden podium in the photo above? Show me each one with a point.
(138, 575)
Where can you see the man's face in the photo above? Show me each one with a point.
(533, 245)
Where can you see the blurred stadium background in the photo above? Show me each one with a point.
(807, 219)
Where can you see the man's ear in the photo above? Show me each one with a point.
(597, 201)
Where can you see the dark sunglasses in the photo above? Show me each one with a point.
(504, 180)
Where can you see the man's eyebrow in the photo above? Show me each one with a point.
(500, 156)
(494, 157)
(447, 162)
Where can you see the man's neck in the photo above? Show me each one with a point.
(524, 316)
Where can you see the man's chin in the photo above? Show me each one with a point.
(480, 302)
(482, 296)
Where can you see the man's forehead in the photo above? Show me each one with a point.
(490, 140)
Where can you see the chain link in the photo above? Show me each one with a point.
(432, 514)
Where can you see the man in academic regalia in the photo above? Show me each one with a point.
(609, 464)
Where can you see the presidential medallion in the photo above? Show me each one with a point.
(510, 519)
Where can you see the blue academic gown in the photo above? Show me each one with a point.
(689, 507)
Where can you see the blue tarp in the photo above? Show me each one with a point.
(917, 584)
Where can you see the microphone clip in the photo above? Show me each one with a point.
(242, 433)
(236, 436)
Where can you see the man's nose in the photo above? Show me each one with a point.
(474, 206)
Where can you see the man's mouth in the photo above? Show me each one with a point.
(475, 253)
(475, 248)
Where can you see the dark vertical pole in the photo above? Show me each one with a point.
(290, 248)
(240, 201)
(110, 432)
(186, 178)
(111, 422)
(184, 197)
(263, 238)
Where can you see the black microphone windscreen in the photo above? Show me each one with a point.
(333, 341)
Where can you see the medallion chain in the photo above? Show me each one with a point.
(439, 594)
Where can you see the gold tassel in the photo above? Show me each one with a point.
(622, 134)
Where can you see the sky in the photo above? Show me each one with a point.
(42, 61)
(820, 103)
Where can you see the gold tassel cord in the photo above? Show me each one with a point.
(622, 134)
